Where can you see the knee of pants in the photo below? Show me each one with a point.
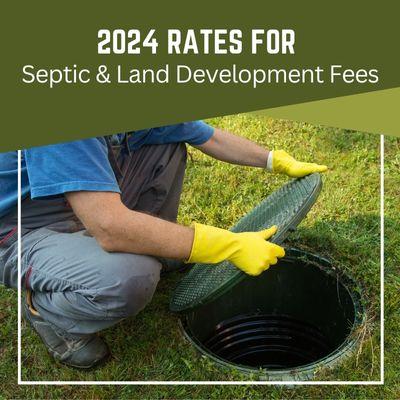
(133, 283)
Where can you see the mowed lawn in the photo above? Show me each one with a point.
(343, 224)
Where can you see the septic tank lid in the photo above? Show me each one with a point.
(285, 207)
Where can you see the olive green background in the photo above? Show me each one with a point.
(50, 34)
(375, 112)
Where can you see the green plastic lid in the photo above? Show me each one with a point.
(285, 207)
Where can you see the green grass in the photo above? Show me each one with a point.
(343, 224)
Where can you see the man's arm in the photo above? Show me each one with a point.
(119, 229)
(234, 149)
(225, 146)
(116, 228)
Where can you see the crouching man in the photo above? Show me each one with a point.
(99, 221)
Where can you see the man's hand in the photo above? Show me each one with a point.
(248, 251)
(283, 163)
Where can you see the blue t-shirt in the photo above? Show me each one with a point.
(80, 165)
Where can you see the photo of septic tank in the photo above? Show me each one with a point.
(241, 248)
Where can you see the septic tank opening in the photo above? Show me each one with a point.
(298, 313)
(268, 341)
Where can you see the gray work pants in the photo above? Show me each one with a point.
(77, 286)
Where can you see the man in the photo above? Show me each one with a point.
(98, 222)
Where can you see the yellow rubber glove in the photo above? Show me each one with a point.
(248, 251)
(283, 163)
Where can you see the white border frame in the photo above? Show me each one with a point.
(256, 383)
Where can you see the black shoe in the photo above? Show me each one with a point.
(84, 351)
